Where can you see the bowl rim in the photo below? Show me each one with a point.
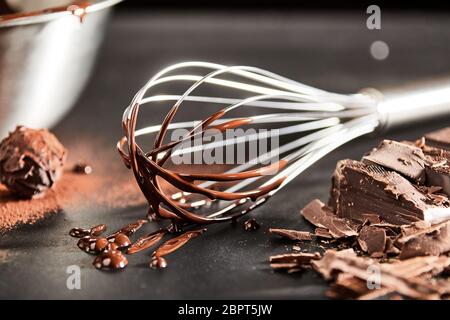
(42, 16)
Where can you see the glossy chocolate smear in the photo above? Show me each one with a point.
(146, 242)
(94, 231)
(112, 260)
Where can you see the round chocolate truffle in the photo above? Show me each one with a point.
(31, 161)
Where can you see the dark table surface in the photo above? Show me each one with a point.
(330, 51)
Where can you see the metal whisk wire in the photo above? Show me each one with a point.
(329, 119)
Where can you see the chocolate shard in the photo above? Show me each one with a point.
(438, 169)
(372, 240)
(323, 233)
(388, 277)
(439, 139)
(293, 260)
(322, 217)
(31, 161)
(422, 240)
(370, 189)
(402, 158)
(292, 234)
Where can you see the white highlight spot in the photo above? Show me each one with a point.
(379, 50)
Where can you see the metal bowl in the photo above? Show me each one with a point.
(45, 61)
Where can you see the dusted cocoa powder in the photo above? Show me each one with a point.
(110, 185)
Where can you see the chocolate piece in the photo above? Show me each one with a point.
(372, 240)
(158, 263)
(293, 260)
(87, 244)
(94, 231)
(321, 216)
(405, 159)
(371, 218)
(101, 244)
(82, 168)
(345, 261)
(292, 234)
(323, 233)
(122, 241)
(370, 189)
(146, 242)
(438, 169)
(251, 225)
(31, 161)
(112, 260)
(424, 240)
(439, 139)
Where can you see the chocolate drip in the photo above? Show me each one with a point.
(129, 229)
(147, 167)
(174, 244)
(112, 260)
(146, 241)
(94, 231)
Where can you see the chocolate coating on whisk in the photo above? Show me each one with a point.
(147, 166)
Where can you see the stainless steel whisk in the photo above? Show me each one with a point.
(327, 121)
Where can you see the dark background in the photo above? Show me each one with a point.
(282, 5)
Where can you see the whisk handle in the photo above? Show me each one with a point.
(415, 103)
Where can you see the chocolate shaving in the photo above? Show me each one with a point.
(372, 240)
(292, 234)
(347, 262)
(433, 240)
(323, 233)
(322, 217)
(293, 260)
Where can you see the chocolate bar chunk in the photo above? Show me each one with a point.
(424, 240)
(438, 168)
(439, 139)
(405, 159)
(360, 189)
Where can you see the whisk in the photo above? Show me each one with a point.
(324, 121)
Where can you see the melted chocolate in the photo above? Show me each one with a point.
(94, 231)
(129, 229)
(112, 260)
(251, 225)
(174, 244)
(146, 241)
(147, 167)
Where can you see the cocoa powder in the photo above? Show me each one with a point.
(110, 185)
